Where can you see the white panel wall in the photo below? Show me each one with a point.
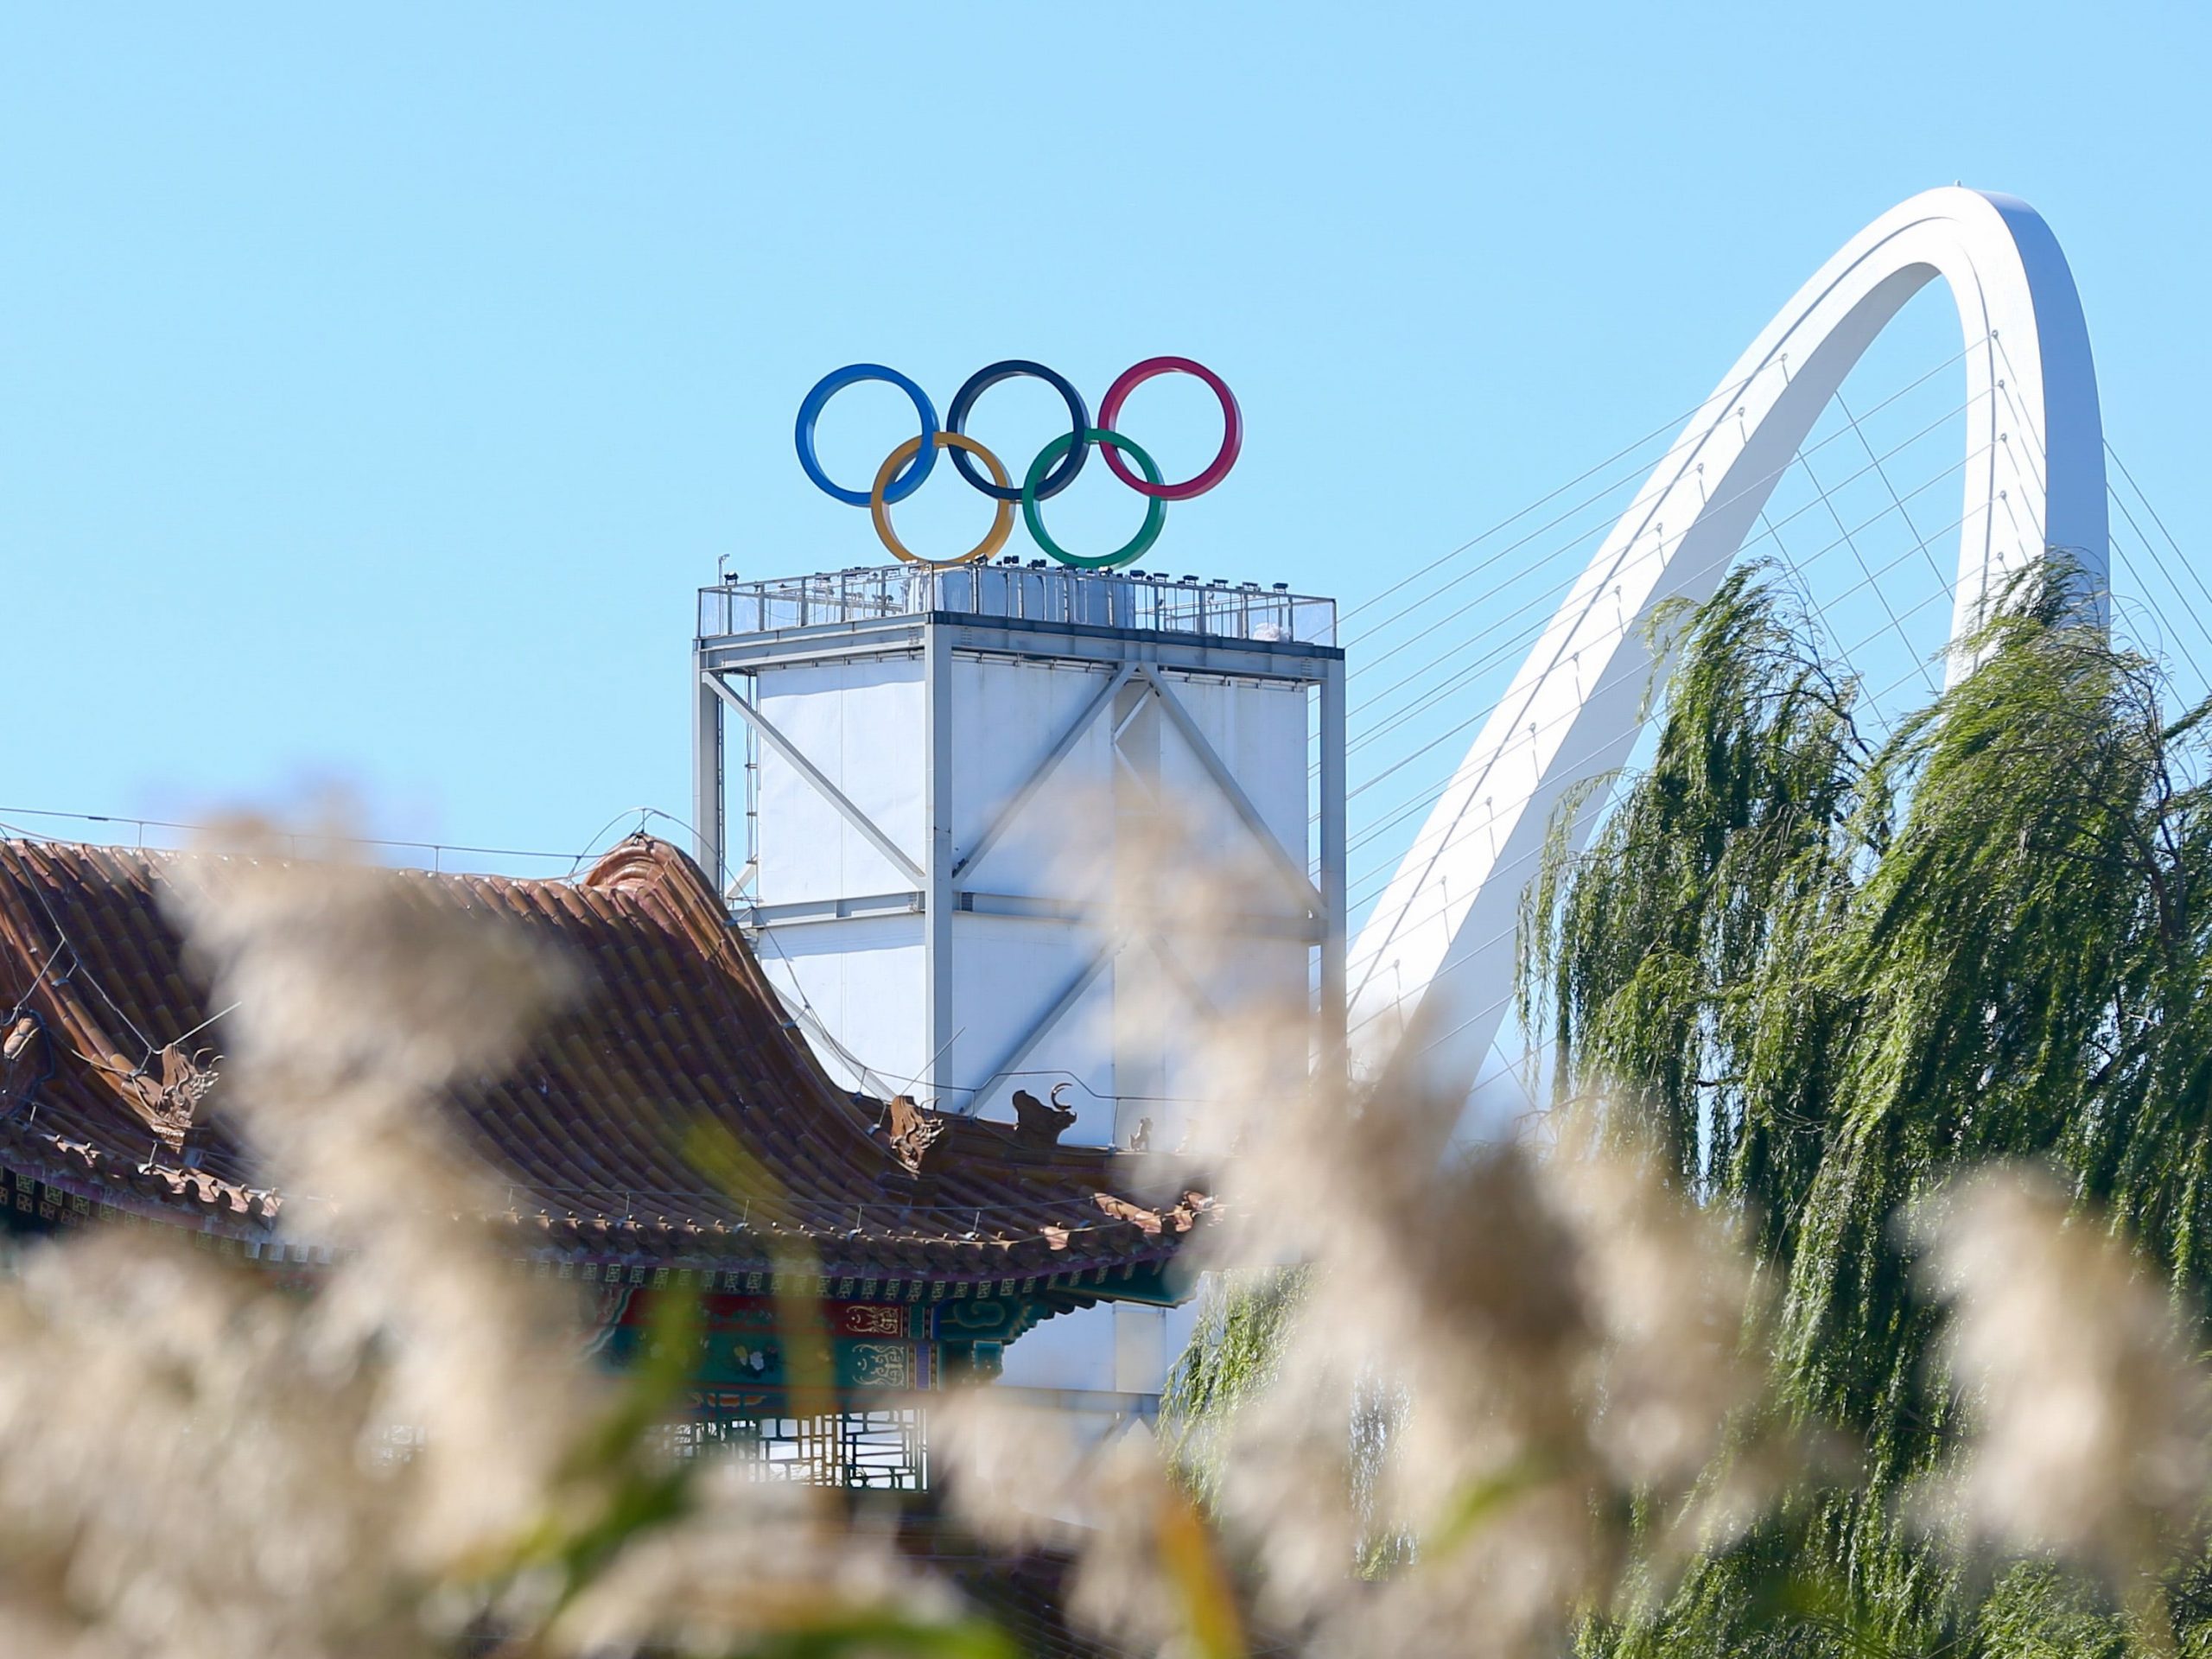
(862, 979)
(865, 726)
(1260, 730)
(1008, 972)
(1125, 1348)
(1258, 977)
(861, 724)
(1006, 717)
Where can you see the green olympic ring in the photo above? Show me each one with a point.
(1155, 512)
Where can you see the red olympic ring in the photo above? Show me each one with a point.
(1232, 427)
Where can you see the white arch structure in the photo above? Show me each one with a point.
(1431, 975)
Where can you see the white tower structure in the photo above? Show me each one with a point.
(1431, 975)
(943, 774)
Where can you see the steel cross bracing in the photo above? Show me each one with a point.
(1431, 972)
(1135, 695)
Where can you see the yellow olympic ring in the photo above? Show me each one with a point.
(1001, 522)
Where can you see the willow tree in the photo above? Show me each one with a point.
(1830, 974)
(1826, 973)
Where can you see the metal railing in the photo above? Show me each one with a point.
(1215, 610)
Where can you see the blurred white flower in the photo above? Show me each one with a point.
(2089, 1421)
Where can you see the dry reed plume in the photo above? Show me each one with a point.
(1504, 1388)
(1516, 1385)
(416, 1458)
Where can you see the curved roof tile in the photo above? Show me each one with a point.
(589, 1139)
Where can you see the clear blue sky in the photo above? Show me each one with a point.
(377, 386)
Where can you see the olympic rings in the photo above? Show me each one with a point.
(1054, 469)
(955, 420)
(880, 499)
(1155, 512)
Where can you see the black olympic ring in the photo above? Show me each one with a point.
(1015, 368)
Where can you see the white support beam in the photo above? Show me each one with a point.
(1193, 992)
(1294, 874)
(709, 807)
(1025, 1045)
(1003, 818)
(803, 910)
(829, 792)
(1031, 907)
(1333, 905)
(937, 976)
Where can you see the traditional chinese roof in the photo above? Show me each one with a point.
(110, 1090)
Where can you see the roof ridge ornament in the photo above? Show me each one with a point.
(168, 1096)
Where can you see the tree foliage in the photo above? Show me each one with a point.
(1831, 975)
(1231, 1354)
(1827, 976)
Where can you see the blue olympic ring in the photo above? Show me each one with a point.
(829, 386)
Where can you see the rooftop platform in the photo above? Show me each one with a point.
(1011, 590)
